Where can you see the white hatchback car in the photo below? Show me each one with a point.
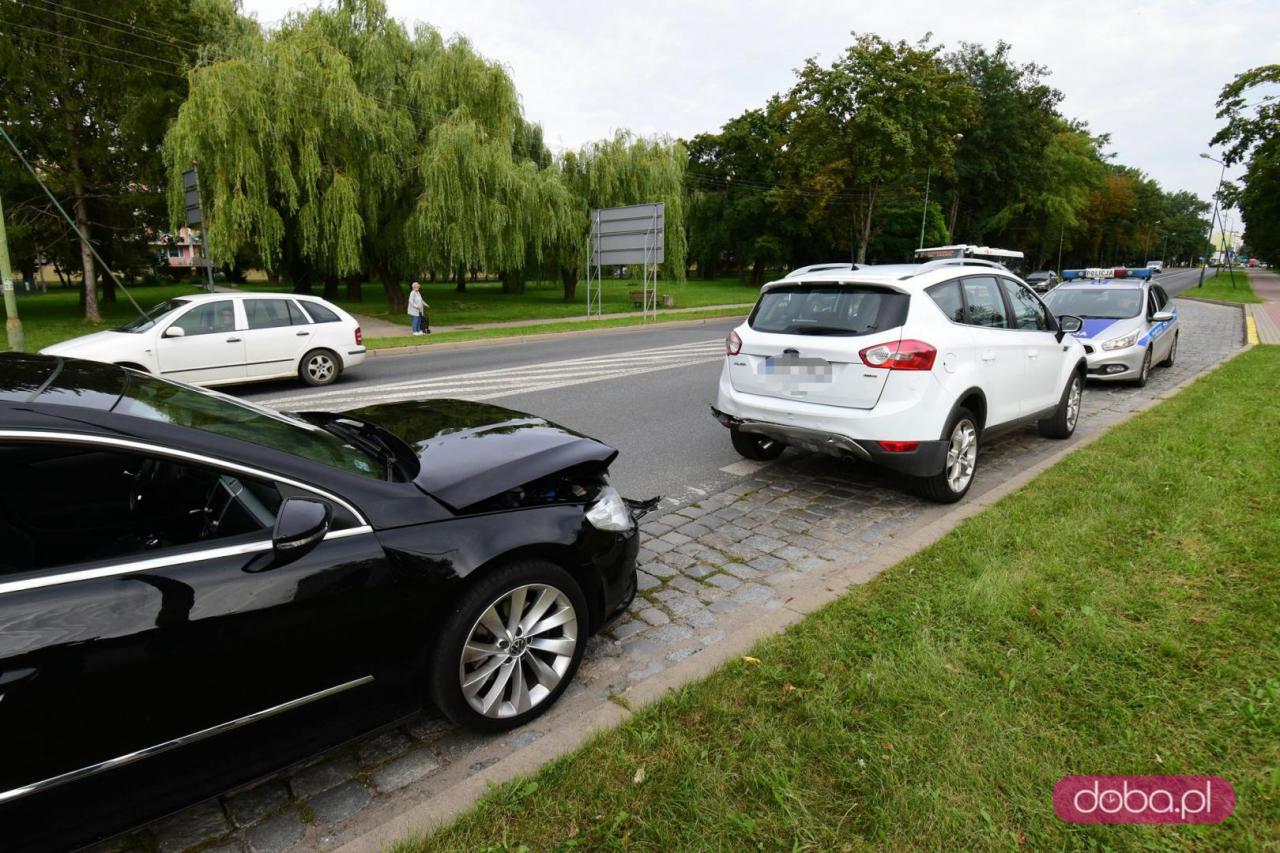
(908, 367)
(227, 338)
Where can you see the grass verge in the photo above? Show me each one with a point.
(1225, 287)
(1118, 615)
(541, 329)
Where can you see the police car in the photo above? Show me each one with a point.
(1129, 322)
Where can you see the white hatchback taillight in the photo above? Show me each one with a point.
(359, 336)
(732, 344)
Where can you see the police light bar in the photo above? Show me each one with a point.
(1106, 273)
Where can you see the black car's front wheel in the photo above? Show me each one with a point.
(510, 647)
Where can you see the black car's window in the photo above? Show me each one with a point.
(209, 318)
(70, 503)
(269, 313)
(828, 309)
(1028, 313)
(197, 408)
(320, 314)
(947, 297)
(985, 305)
(1103, 302)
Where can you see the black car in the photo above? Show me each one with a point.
(1043, 281)
(195, 591)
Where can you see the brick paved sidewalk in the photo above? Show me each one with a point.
(799, 527)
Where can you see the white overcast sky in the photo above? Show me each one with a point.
(1146, 72)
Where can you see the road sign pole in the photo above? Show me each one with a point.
(12, 325)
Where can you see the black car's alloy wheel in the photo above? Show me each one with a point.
(511, 646)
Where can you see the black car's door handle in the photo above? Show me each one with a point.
(233, 340)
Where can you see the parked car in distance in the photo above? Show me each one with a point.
(1042, 281)
(196, 591)
(1129, 322)
(909, 367)
(226, 338)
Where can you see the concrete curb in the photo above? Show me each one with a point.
(512, 340)
(442, 808)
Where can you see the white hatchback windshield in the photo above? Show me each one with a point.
(149, 319)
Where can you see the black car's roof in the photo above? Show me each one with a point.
(45, 379)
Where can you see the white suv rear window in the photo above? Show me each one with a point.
(828, 309)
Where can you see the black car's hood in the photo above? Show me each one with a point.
(469, 452)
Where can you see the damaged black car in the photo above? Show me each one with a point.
(195, 591)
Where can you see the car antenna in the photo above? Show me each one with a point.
(83, 240)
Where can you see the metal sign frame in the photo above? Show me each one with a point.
(195, 216)
(633, 234)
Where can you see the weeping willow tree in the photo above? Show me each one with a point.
(340, 144)
(619, 171)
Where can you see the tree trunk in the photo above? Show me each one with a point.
(354, 292)
(331, 288)
(396, 298)
(461, 279)
(512, 281)
(569, 277)
(62, 278)
(865, 239)
(757, 272)
(89, 283)
(951, 219)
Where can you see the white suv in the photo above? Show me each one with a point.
(905, 366)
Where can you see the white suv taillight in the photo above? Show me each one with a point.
(732, 344)
(900, 355)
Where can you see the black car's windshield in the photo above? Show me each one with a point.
(1104, 303)
(210, 411)
(148, 320)
(828, 309)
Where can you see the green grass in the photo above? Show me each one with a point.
(1118, 615)
(48, 318)
(1226, 288)
(541, 329)
(484, 301)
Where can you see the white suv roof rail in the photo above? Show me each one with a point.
(956, 262)
(843, 265)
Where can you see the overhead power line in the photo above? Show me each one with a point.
(69, 50)
(105, 22)
(97, 44)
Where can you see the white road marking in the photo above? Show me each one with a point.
(745, 467)
(520, 379)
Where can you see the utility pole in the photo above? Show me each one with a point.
(12, 325)
(1062, 230)
(927, 175)
(1217, 192)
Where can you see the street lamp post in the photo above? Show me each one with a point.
(1209, 241)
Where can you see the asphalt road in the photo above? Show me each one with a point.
(645, 391)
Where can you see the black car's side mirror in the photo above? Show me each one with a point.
(301, 524)
(1069, 324)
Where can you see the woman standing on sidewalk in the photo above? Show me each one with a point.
(418, 310)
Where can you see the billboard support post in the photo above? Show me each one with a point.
(626, 235)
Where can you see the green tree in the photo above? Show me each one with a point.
(1252, 136)
(613, 172)
(88, 99)
(876, 117)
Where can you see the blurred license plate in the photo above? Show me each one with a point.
(797, 369)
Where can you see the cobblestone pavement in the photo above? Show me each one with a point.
(707, 568)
